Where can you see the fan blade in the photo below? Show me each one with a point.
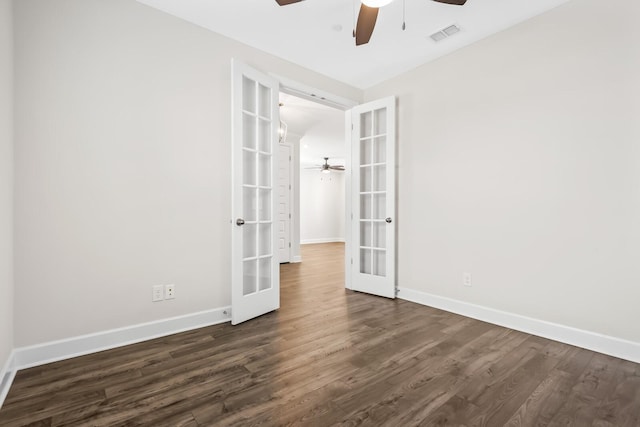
(456, 2)
(338, 168)
(286, 2)
(366, 23)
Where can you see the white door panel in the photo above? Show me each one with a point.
(373, 198)
(255, 268)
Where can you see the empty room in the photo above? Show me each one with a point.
(159, 266)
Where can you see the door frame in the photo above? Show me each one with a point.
(348, 209)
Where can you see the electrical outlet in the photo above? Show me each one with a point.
(466, 279)
(158, 293)
(169, 291)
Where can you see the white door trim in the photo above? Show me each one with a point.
(348, 209)
(296, 88)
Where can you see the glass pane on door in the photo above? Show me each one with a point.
(264, 167)
(365, 261)
(379, 150)
(250, 235)
(265, 274)
(380, 121)
(250, 277)
(249, 130)
(248, 95)
(379, 263)
(265, 101)
(366, 122)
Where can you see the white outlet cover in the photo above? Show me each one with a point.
(466, 279)
(169, 291)
(157, 293)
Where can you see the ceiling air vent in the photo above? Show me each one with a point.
(444, 33)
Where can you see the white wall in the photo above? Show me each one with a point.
(122, 164)
(321, 206)
(519, 161)
(6, 182)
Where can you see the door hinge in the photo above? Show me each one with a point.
(289, 158)
(289, 186)
(351, 261)
(352, 216)
(289, 244)
(289, 216)
(351, 126)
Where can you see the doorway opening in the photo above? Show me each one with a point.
(315, 137)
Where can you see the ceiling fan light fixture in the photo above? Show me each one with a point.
(326, 171)
(376, 3)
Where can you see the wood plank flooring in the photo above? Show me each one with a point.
(333, 357)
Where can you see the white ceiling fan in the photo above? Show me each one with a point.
(326, 167)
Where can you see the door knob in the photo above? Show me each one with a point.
(388, 220)
(239, 221)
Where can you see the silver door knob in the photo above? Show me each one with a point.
(239, 221)
(388, 220)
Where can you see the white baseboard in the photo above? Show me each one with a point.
(7, 374)
(40, 354)
(612, 346)
(323, 240)
(296, 258)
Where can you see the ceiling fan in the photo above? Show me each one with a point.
(326, 167)
(369, 14)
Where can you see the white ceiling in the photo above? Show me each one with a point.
(320, 127)
(317, 33)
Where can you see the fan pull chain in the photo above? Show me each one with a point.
(404, 14)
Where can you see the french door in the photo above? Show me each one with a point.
(255, 288)
(373, 230)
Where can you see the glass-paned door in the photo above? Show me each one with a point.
(373, 198)
(255, 265)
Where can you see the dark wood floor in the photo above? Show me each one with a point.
(333, 357)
